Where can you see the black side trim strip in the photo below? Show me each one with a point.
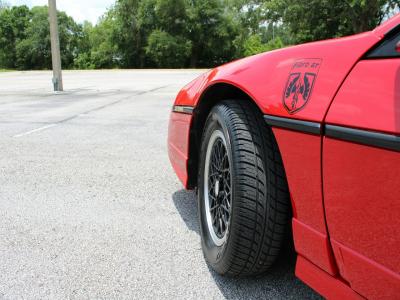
(183, 109)
(293, 124)
(370, 138)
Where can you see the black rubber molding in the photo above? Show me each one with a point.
(370, 138)
(294, 124)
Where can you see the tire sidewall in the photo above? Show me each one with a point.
(217, 256)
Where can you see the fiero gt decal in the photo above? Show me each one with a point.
(300, 83)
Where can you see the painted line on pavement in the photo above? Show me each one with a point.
(34, 130)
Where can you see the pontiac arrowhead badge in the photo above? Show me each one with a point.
(300, 84)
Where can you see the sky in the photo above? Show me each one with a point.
(80, 10)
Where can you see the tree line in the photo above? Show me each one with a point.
(179, 33)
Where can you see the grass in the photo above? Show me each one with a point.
(5, 70)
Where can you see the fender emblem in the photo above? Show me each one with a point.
(300, 84)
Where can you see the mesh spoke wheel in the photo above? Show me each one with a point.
(217, 187)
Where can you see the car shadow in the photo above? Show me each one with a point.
(186, 205)
(278, 283)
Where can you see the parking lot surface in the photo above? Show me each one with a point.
(89, 205)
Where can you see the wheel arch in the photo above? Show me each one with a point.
(211, 96)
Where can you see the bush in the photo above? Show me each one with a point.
(168, 51)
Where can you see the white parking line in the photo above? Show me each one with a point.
(34, 130)
(89, 111)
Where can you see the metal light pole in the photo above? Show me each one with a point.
(55, 47)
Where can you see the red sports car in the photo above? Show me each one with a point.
(301, 142)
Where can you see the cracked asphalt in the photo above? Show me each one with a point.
(89, 205)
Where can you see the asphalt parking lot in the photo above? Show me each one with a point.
(89, 205)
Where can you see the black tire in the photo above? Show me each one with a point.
(260, 204)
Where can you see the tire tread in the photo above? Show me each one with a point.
(261, 207)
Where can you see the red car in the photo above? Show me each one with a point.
(301, 142)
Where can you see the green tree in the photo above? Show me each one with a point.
(128, 34)
(13, 23)
(212, 31)
(83, 59)
(168, 51)
(171, 15)
(97, 49)
(254, 45)
(34, 52)
(167, 44)
(207, 25)
(180, 33)
(257, 33)
(309, 20)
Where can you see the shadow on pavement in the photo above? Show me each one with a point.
(186, 204)
(278, 283)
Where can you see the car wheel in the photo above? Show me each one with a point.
(244, 205)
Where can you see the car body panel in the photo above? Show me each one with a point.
(362, 183)
(325, 284)
(264, 77)
(370, 98)
(178, 143)
(301, 157)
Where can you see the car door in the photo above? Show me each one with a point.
(361, 173)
